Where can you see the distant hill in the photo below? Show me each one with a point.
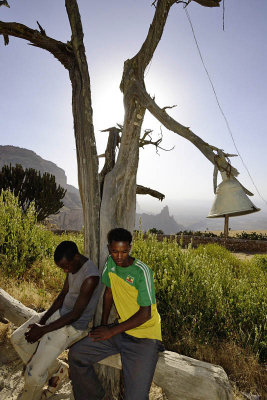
(162, 221)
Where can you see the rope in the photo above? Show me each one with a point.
(220, 107)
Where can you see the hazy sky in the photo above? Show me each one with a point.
(35, 110)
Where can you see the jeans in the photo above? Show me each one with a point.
(139, 358)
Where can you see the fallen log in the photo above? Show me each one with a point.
(180, 377)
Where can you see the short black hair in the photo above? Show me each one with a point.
(66, 249)
(119, 235)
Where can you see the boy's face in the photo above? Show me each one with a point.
(119, 251)
(68, 266)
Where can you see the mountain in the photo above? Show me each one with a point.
(29, 159)
(162, 221)
(70, 216)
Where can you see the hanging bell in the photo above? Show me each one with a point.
(231, 200)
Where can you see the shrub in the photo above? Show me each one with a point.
(22, 241)
(207, 293)
(251, 236)
(156, 231)
(30, 185)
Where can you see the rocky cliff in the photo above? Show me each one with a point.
(162, 221)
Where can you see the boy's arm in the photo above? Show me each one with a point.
(87, 289)
(107, 304)
(106, 332)
(57, 304)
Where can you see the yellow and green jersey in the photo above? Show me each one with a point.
(133, 287)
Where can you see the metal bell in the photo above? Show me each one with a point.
(231, 200)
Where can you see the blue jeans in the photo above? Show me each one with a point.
(139, 358)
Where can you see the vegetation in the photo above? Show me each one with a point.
(207, 292)
(251, 236)
(22, 241)
(29, 185)
(242, 235)
(213, 305)
(197, 233)
(156, 231)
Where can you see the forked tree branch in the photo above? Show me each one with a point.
(60, 50)
(135, 67)
(144, 142)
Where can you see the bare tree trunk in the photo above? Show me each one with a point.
(87, 162)
(84, 134)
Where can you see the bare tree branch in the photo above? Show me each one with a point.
(144, 142)
(42, 31)
(136, 66)
(4, 3)
(145, 190)
(165, 108)
(59, 50)
(6, 39)
(208, 3)
(181, 130)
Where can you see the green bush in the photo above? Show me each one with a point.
(22, 241)
(260, 261)
(156, 231)
(251, 236)
(30, 185)
(207, 293)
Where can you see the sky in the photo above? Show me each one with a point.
(35, 89)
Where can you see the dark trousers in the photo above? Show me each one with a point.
(139, 358)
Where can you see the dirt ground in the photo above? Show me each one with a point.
(243, 256)
(11, 378)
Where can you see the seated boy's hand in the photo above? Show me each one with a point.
(35, 333)
(101, 333)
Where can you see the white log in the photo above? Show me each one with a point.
(184, 378)
(180, 377)
(13, 309)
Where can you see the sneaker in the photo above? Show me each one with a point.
(55, 382)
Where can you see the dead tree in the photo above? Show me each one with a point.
(109, 198)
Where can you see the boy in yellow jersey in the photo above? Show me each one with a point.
(136, 336)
